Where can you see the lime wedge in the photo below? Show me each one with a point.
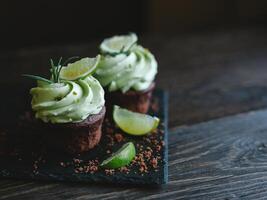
(134, 123)
(120, 158)
(118, 43)
(79, 69)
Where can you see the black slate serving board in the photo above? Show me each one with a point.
(25, 157)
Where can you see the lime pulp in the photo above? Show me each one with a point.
(79, 69)
(134, 123)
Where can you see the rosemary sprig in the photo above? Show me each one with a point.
(70, 59)
(38, 78)
(55, 71)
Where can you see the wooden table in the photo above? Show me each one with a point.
(208, 75)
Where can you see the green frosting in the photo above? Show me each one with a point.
(135, 69)
(68, 101)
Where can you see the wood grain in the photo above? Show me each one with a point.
(208, 75)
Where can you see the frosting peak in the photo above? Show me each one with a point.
(68, 101)
(134, 69)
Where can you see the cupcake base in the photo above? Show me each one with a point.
(70, 137)
(137, 101)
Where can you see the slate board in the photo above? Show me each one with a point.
(31, 160)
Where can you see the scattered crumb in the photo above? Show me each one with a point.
(109, 171)
(77, 161)
(119, 137)
(90, 166)
(154, 162)
(62, 164)
(158, 148)
(148, 154)
(124, 170)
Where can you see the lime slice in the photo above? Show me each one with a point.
(79, 69)
(120, 158)
(134, 123)
(118, 43)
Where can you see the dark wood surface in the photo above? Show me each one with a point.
(208, 75)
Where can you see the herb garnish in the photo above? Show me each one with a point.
(55, 71)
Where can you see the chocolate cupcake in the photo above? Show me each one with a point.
(127, 72)
(69, 112)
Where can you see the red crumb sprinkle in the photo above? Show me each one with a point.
(77, 161)
(154, 162)
(80, 169)
(90, 166)
(93, 169)
(124, 170)
(148, 154)
(140, 161)
(62, 164)
(143, 167)
(109, 171)
(118, 137)
(158, 148)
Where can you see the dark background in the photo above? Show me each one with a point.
(49, 22)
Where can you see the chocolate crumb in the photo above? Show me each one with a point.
(77, 161)
(109, 171)
(154, 162)
(158, 148)
(62, 164)
(148, 154)
(124, 170)
(119, 137)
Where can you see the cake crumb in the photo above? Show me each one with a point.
(148, 154)
(119, 137)
(109, 171)
(154, 162)
(62, 164)
(158, 148)
(124, 170)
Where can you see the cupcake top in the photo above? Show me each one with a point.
(125, 65)
(67, 101)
